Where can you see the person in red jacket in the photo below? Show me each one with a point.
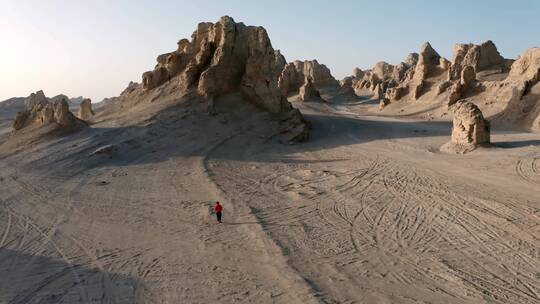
(218, 209)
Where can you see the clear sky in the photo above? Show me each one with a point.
(94, 48)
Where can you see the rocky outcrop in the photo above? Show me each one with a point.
(226, 57)
(308, 92)
(294, 75)
(443, 86)
(522, 90)
(85, 109)
(41, 112)
(384, 76)
(411, 59)
(481, 57)
(396, 93)
(468, 76)
(526, 69)
(456, 91)
(346, 87)
(37, 98)
(469, 130)
(418, 89)
(444, 64)
(358, 74)
(291, 79)
(383, 70)
(428, 61)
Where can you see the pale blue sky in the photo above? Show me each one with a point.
(94, 48)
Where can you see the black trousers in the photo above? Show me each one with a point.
(218, 214)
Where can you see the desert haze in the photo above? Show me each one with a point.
(409, 183)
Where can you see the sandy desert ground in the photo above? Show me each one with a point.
(367, 211)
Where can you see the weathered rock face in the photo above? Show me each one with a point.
(469, 130)
(443, 86)
(295, 73)
(396, 93)
(43, 112)
(522, 88)
(418, 89)
(383, 70)
(378, 92)
(308, 92)
(456, 91)
(468, 76)
(480, 57)
(85, 109)
(444, 64)
(346, 87)
(411, 59)
(222, 58)
(358, 74)
(62, 115)
(35, 99)
(428, 60)
(527, 67)
(384, 76)
(291, 79)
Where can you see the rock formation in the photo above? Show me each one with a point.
(522, 88)
(346, 87)
(378, 92)
(223, 58)
(383, 70)
(358, 74)
(428, 61)
(506, 90)
(527, 68)
(384, 76)
(456, 91)
(418, 89)
(35, 99)
(308, 92)
(468, 76)
(41, 112)
(469, 130)
(294, 75)
(480, 57)
(85, 109)
(396, 93)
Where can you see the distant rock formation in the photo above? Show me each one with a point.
(35, 99)
(294, 76)
(507, 90)
(40, 111)
(469, 130)
(308, 92)
(481, 57)
(346, 87)
(85, 109)
(358, 74)
(227, 57)
(385, 77)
